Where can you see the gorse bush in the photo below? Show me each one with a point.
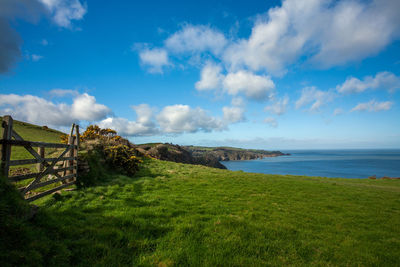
(94, 132)
(122, 158)
(105, 145)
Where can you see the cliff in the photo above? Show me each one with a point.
(232, 153)
(179, 154)
(208, 156)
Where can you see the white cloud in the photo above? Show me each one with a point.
(279, 107)
(382, 80)
(36, 57)
(143, 126)
(36, 110)
(256, 87)
(355, 30)
(64, 11)
(311, 95)
(155, 59)
(238, 101)
(373, 105)
(233, 114)
(40, 111)
(338, 111)
(125, 127)
(326, 32)
(176, 119)
(182, 118)
(271, 122)
(84, 107)
(210, 77)
(196, 39)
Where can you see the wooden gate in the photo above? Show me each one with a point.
(48, 173)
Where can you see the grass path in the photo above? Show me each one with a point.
(186, 215)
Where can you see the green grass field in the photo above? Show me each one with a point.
(174, 214)
(32, 132)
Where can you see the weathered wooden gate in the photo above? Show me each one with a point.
(47, 172)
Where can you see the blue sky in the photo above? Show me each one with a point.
(254, 74)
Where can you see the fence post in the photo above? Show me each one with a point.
(40, 166)
(70, 153)
(76, 150)
(78, 136)
(6, 148)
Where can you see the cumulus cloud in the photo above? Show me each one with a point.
(278, 107)
(194, 39)
(143, 126)
(61, 11)
(238, 101)
(233, 114)
(182, 118)
(271, 122)
(65, 11)
(210, 77)
(317, 98)
(256, 87)
(321, 33)
(174, 119)
(155, 59)
(373, 106)
(40, 111)
(328, 33)
(382, 80)
(242, 82)
(84, 107)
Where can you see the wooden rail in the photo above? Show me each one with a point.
(46, 167)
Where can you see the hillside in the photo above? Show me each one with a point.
(232, 153)
(173, 214)
(178, 154)
(207, 156)
(31, 132)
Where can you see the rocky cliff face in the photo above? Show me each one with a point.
(226, 154)
(179, 154)
(203, 155)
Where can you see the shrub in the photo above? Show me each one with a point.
(123, 158)
(97, 169)
(94, 132)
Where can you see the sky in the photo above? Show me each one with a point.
(313, 74)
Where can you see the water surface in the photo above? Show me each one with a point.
(326, 163)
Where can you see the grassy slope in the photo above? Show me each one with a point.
(177, 214)
(31, 132)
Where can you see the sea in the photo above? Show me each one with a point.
(326, 163)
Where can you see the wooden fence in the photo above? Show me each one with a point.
(47, 170)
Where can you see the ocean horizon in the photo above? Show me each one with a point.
(332, 163)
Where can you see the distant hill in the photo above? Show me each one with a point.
(232, 153)
(176, 153)
(208, 156)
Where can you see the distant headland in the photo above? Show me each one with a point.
(208, 156)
